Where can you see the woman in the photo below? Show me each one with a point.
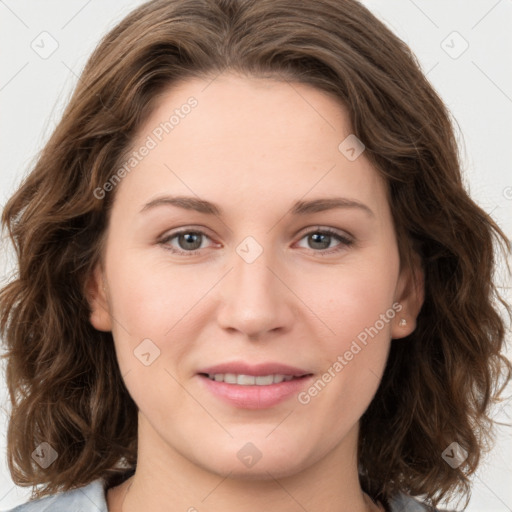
(310, 348)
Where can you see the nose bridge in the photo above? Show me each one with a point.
(253, 302)
(252, 275)
(253, 262)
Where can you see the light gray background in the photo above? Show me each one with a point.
(475, 84)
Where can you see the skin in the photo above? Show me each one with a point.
(253, 147)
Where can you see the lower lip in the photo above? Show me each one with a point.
(255, 397)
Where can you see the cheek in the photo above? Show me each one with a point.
(357, 299)
(359, 311)
(151, 308)
(354, 355)
(150, 296)
(152, 331)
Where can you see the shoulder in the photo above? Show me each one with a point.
(404, 503)
(89, 498)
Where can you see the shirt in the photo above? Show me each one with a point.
(93, 498)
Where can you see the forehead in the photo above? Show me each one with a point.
(248, 139)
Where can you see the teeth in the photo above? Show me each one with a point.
(249, 380)
(245, 380)
(230, 378)
(264, 380)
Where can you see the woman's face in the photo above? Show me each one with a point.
(254, 286)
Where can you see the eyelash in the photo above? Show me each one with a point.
(344, 241)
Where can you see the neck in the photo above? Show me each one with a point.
(173, 482)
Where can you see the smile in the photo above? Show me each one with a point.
(250, 380)
(246, 385)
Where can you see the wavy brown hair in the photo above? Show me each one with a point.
(62, 374)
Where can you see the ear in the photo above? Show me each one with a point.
(98, 301)
(410, 294)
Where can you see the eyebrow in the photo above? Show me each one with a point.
(298, 208)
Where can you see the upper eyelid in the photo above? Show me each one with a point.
(204, 231)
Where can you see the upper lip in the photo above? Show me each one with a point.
(242, 368)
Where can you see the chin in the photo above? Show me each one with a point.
(255, 461)
(267, 471)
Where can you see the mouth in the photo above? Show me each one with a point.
(260, 386)
(252, 380)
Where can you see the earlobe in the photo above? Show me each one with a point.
(410, 295)
(98, 301)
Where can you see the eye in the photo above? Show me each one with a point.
(321, 238)
(189, 241)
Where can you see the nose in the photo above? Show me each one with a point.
(256, 300)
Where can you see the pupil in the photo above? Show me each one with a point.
(189, 238)
(316, 236)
